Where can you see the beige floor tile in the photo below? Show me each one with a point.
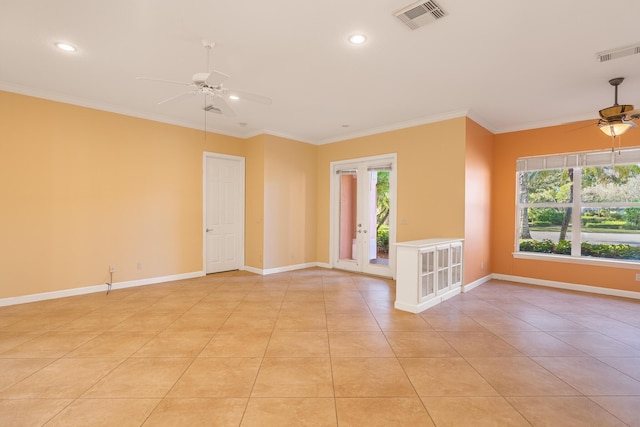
(627, 365)
(298, 344)
(473, 411)
(478, 344)
(104, 413)
(359, 344)
(15, 370)
(203, 412)
(597, 344)
(419, 344)
(146, 322)
(564, 411)
(140, 378)
(351, 322)
(175, 344)
(279, 412)
(532, 343)
(51, 344)
(346, 304)
(550, 322)
(450, 376)
(232, 321)
(400, 321)
(249, 321)
(62, 379)
(11, 339)
(520, 376)
(370, 377)
(623, 407)
(237, 344)
(590, 376)
(198, 322)
(302, 321)
(382, 412)
(96, 321)
(294, 377)
(217, 377)
(30, 412)
(113, 344)
(452, 322)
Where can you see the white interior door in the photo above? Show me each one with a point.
(223, 213)
(363, 208)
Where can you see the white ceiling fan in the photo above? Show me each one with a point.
(210, 84)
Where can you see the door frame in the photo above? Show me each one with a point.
(206, 155)
(334, 206)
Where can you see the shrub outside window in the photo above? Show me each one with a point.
(580, 204)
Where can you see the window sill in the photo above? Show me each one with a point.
(614, 263)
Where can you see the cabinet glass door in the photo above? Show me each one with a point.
(443, 268)
(427, 274)
(456, 265)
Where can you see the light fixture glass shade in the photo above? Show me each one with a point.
(615, 127)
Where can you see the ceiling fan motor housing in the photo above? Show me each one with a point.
(615, 111)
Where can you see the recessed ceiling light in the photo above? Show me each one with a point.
(234, 97)
(357, 39)
(66, 47)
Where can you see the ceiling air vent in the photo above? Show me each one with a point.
(420, 14)
(618, 53)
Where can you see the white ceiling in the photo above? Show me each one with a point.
(508, 64)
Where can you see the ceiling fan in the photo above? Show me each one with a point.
(617, 119)
(210, 84)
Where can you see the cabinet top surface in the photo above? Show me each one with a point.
(427, 242)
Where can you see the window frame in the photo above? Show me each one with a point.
(576, 161)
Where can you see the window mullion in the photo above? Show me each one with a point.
(576, 214)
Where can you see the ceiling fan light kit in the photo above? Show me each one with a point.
(615, 128)
(617, 119)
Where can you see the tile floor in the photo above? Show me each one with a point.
(319, 348)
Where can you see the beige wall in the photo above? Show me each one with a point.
(254, 203)
(82, 189)
(289, 202)
(431, 181)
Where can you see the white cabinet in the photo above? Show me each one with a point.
(427, 272)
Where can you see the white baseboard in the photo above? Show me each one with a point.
(281, 269)
(476, 283)
(96, 288)
(568, 286)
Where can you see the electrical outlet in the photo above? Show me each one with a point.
(637, 277)
(112, 268)
(139, 265)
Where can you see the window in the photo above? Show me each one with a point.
(583, 205)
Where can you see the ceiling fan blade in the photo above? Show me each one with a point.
(164, 81)
(178, 97)
(216, 78)
(633, 114)
(248, 96)
(222, 105)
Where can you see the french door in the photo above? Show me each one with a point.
(363, 215)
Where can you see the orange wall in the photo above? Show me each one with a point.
(82, 189)
(508, 147)
(430, 179)
(477, 206)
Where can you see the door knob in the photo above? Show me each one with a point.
(209, 229)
